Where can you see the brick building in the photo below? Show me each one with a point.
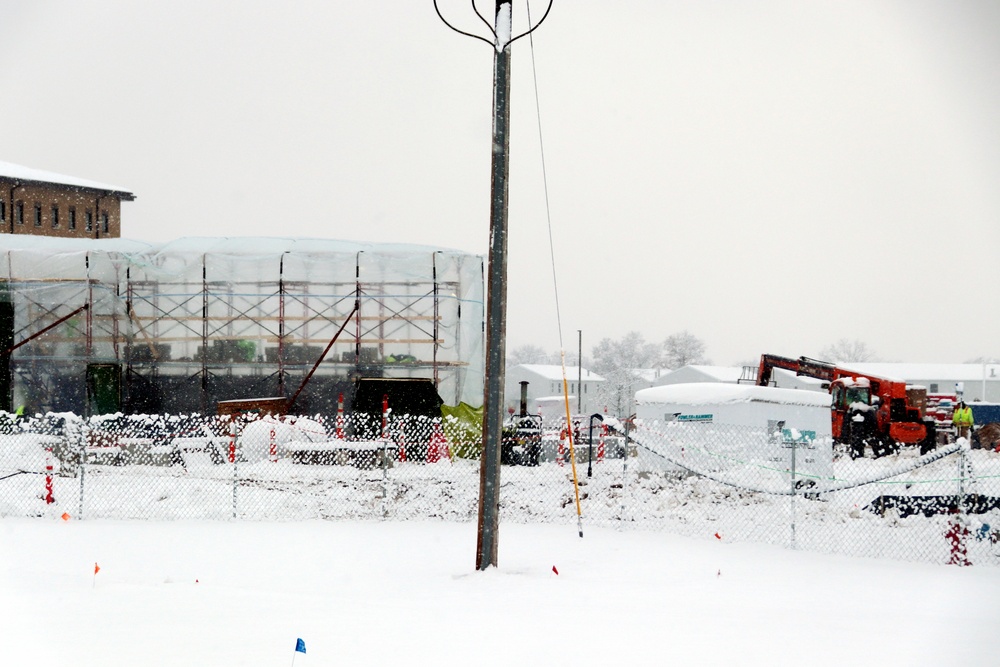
(42, 203)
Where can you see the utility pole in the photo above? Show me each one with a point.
(496, 282)
(496, 298)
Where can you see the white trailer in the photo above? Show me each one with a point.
(744, 423)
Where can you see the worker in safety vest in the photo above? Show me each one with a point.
(962, 419)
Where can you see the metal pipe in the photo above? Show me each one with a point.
(305, 380)
(33, 336)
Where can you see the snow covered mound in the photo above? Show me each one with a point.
(256, 437)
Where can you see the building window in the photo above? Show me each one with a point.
(71, 222)
(88, 220)
(104, 222)
(934, 388)
(38, 215)
(3, 211)
(55, 216)
(19, 213)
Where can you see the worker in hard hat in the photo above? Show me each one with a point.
(962, 419)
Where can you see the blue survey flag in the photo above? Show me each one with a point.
(300, 646)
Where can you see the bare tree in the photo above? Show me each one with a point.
(683, 349)
(632, 351)
(617, 361)
(984, 360)
(530, 354)
(847, 351)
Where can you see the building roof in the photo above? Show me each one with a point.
(554, 372)
(912, 372)
(28, 175)
(650, 374)
(706, 373)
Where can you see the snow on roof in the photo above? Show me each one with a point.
(22, 173)
(723, 373)
(705, 393)
(711, 373)
(244, 245)
(650, 374)
(801, 379)
(913, 372)
(554, 372)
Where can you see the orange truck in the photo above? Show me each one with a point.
(879, 412)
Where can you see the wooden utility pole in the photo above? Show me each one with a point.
(496, 298)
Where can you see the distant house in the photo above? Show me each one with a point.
(684, 374)
(545, 387)
(42, 203)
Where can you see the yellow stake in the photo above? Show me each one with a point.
(572, 451)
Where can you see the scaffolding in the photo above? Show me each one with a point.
(119, 325)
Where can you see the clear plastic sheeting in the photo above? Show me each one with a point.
(120, 325)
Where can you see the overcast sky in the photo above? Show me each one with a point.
(770, 176)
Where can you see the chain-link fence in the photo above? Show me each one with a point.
(699, 479)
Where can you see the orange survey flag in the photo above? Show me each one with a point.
(97, 568)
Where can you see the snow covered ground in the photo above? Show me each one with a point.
(241, 593)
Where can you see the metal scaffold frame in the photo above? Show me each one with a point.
(185, 339)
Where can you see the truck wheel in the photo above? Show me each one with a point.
(879, 447)
(532, 454)
(507, 455)
(929, 442)
(855, 438)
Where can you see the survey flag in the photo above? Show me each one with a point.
(300, 646)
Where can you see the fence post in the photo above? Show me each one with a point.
(795, 448)
(81, 451)
(232, 458)
(628, 422)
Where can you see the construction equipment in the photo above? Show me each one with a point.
(866, 409)
(521, 443)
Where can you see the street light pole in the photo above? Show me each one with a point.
(579, 371)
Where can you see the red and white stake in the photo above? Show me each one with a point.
(340, 417)
(274, 446)
(48, 476)
(561, 452)
(385, 415)
(600, 443)
(232, 441)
